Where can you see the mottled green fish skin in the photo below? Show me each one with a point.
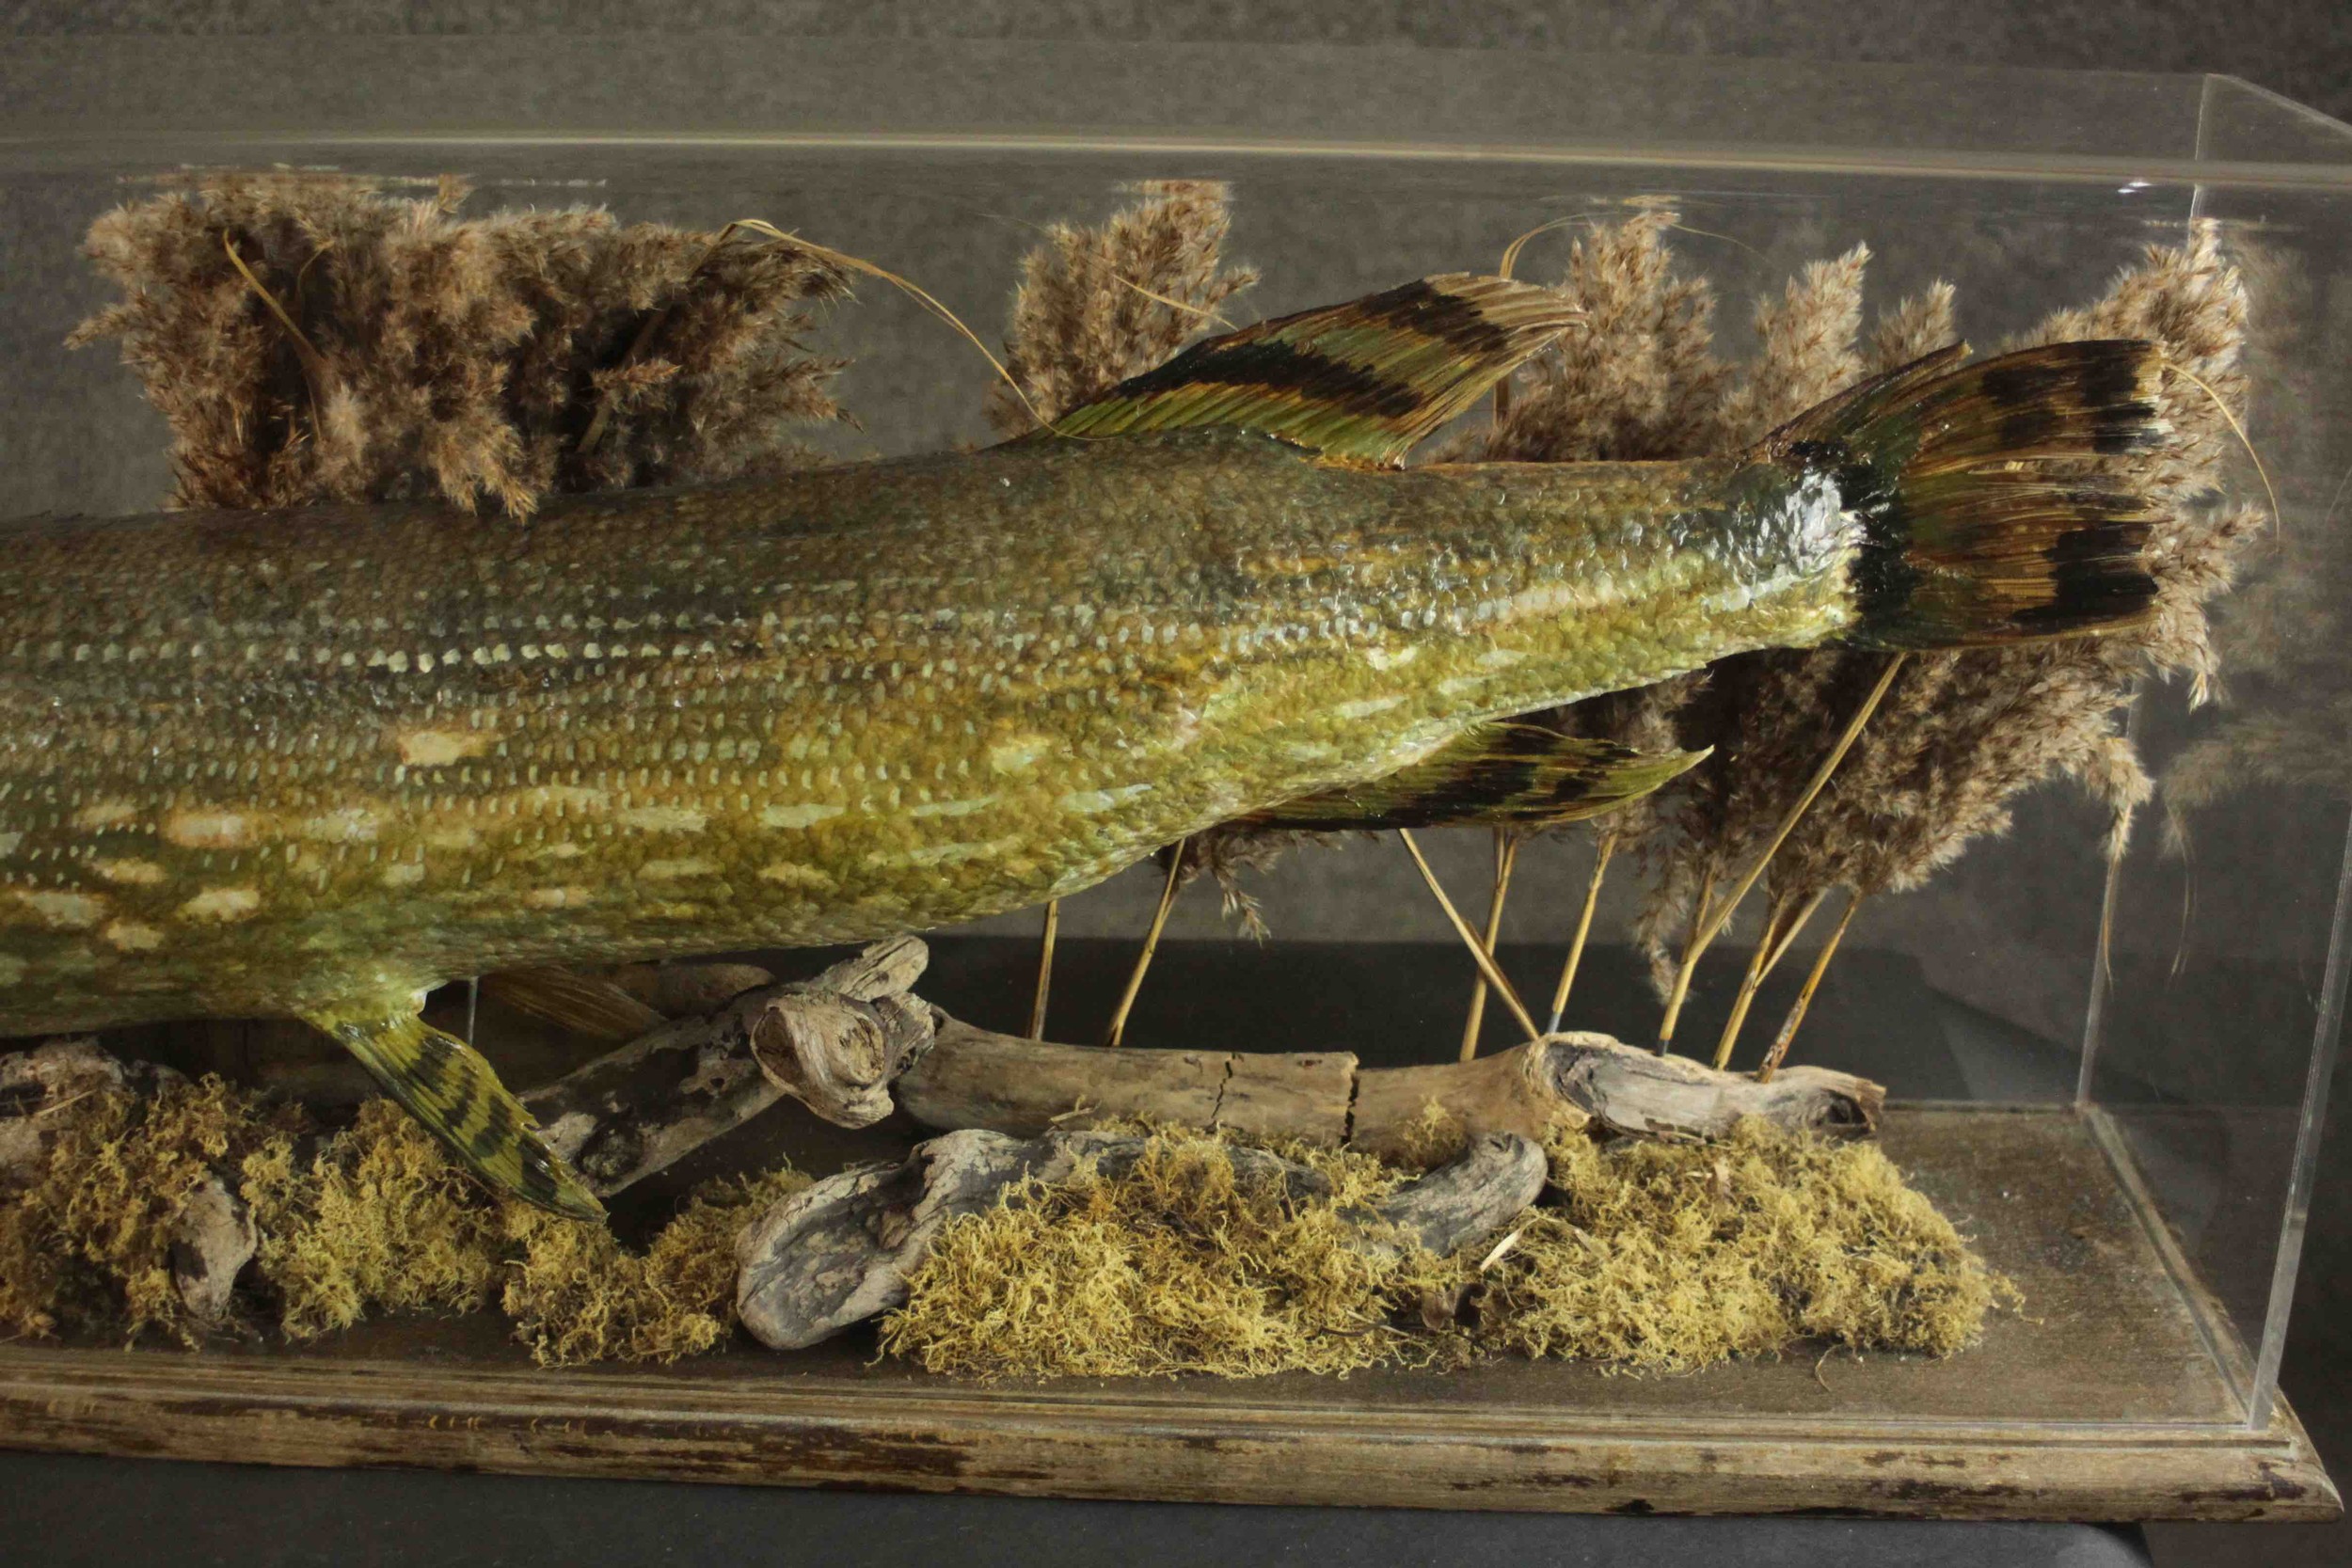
(314, 762)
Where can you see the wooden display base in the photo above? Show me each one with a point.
(2112, 1394)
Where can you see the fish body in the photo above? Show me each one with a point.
(314, 763)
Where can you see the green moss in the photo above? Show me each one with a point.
(1176, 1265)
(1645, 1256)
(1673, 1256)
(85, 1236)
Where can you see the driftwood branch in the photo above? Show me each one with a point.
(975, 1078)
(852, 1039)
(831, 1042)
(840, 1252)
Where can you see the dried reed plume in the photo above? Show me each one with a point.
(2284, 635)
(1959, 735)
(1096, 305)
(421, 354)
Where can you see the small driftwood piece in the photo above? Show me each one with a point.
(834, 1043)
(838, 1253)
(213, 1239)
(830, 1043)
(50, 1076)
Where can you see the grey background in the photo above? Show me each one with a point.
(2302, 51)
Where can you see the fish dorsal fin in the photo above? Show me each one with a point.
(1365, 380)
(1497, 775)
(448, 1085)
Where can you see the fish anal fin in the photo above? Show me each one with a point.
(450, 1088)
(1497, 775)
(1365, 380)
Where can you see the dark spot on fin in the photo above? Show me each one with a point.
(1367, 379)
(447, 1086)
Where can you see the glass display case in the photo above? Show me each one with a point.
(2110, 1073)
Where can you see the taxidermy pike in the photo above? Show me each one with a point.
(313, 763)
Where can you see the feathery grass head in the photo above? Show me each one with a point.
(314, 337)
(1958, 736)
(1098, 304)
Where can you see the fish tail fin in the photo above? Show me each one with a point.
(1497, 775)
(446, 1085)
(1989, 516)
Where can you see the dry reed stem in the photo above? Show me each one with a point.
(1812, 789)
(1506, 856)
(1774, 945)
(1151, 945)
(1788, 1027)
(1760, 962)
(1045, 968)
(1483, 958)
(1605, 848)
(1689, 964)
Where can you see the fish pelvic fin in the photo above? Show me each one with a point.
(1366, 380)
(1995, 507)
(1497, 775)
(582, 1003)
(446, 1085)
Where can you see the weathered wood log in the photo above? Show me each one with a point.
(972, 1077)
(839, 1252)
(975, 1078)
(824, 1041)
(843, 1042)
(1641, 1094)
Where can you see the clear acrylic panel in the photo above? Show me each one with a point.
(2168, 1029)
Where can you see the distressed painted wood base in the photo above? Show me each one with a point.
(2110, 1396)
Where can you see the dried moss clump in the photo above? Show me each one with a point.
(1175, 1265)
(383, 1221)
(86, 1230)
(1644, 1256)
(1647, 1256)
(378, 1221)
(577, 1295)
(1669, 1257)
(374, 1220)
(311, 337)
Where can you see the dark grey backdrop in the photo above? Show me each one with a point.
(2302, 48)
